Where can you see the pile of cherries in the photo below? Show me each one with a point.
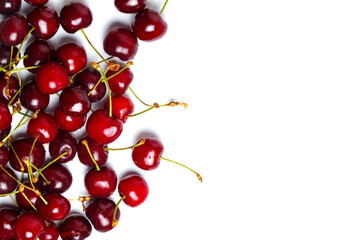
(35, 184)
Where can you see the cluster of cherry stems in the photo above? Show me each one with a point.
(42, 212)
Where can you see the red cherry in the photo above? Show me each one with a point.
(97, 150)
(149, 25)
(13, 30)
(7, 221)
(45, 22)
(135, 189)
(63, 142)
(5, 117)
(103, 129)
(32, 98)
(130, 6)
(75, 227)
(69, 123)
(74, 100)
(72, 56)
(102, 183)
(36, 2)
(10, 6)
(4, 156)
(31, 195)
(147, 156)
(75, 16)
(11, 85)
(57, 207)
(89, 78)
(38, 53)
(7, 183)
(122, 106)
(51, 78)
(29, 225)
(100, 213)
(5, 54)
(58, 176)
(51, 232)
(121, 81)
(44, 126)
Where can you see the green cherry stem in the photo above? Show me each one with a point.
(35, 179)
(197, 174)
(92, 157)
(9, 194)
(22, 43)
(47, 165)
(132, 91)
(156, 105)
(22, 169)
(21, 69)
(11, 57)
(142, 141)
(87, 39)
(115, 221)
(163, 7)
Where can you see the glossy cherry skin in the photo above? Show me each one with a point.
(75, 16)
(101, 184)
(45, 126)
(7, 221)
(121, 43)
(69, 123)
(135, 190)
(10, 6)
(149, 25)
(100, 213)
(64, 142)
(103, 129)
(130, 6)
(5, 54)
(58, 207)
(58, 176)
(88, 79)
(74, 100)
(36, 2)
(97, 151)
(38, 53)
(45, 21)
(51, 232)
(13, 30)
(120, 82)
(72, 56)
(75, 227)
(51, 78)
(32, 98)
(12, 86)
(4, 156)
(31, 195)
(29, 225)
(5, 117)
(146, 156)
(122, 106)
(7, 184)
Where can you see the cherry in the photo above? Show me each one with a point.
(122, 43)
(121, 81)
(44, 127)
(56, 208)
(75, 227)
(13, 30)
(147, 156)
(7, 220)
(31, 196)
(10, 6)
(5, 55)
(97, 150)
(134, 188)
(63, 142)
(74, 100)
(122, 106)
(69, 123)
(101, 182)
(4, 156)
(102, 128)
(58, 177)
(100, 213)
(4, 133)
(36, 2)
(75, 16)
(72, 56)
(130, 6)
(29, 225)
(149, 25)
(89, 78)
(32, 98)
(5, 117)
(38, 53)
(45, 22)
(21, 150)
(8, 88)
(51, 78)
(7, 183)
(51, 232)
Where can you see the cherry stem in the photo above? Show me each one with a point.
(83, 32)
(9, 194)
(163, 7)
(98, 82)
(22, 43)
(27, 199)
(32, 147)
(13, 98)
(35, 179)
(82, 199)
(47, 165)
(142, 141)
(15, 179)
(132, 91)
(30, 172)
(115, 221)
(156, 105)
(91, 156)
(197, 174)
(22, 169)
(21, 69)
(11, 56)
(14, 201)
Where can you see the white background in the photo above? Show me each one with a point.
(272, 123)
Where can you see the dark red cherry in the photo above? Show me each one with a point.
(57, 207)
(7, 183)
(13, 30)
(38, 53)
(122, 106)
(7, 221)
(4, 155)
(88, 79)
(100, 213)
(69, 123)
(45, 21)
(130, 6)
(36, 2)
(44, 126)
(58, 176)
(31, 195)
(51, 232)
(120, 82)
(5, 132)
(51, 78)
(22, 147)
(75, 16)
(64, 142)
(8, 88)
(97, 150)
(135, 190)
(74, 100)
(75, 227)
(101, 184)
(149, 25)
(9, 6)
(5, 54)
(72, 56)
(5, 116)
(121, 43)
(29, 225)
(32, 98)
(146, 156)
